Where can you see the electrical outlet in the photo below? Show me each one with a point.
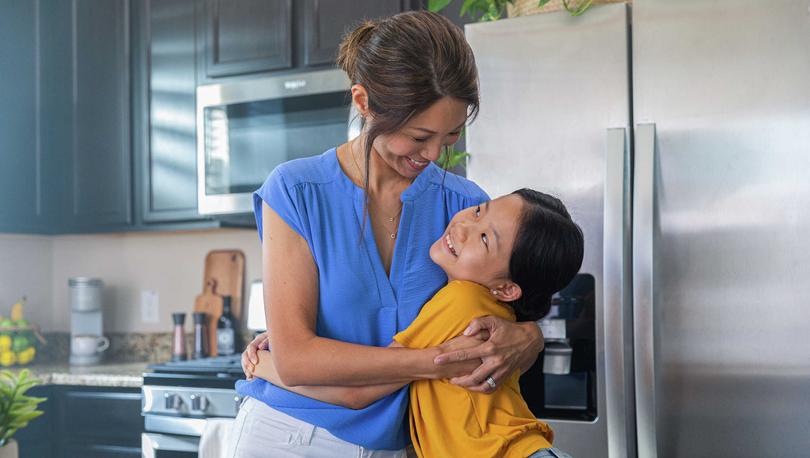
(150, 304)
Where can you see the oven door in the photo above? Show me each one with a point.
(157, 445)
(167, 436)
(246, 128)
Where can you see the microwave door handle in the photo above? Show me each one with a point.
(643, 288)
(615, 287)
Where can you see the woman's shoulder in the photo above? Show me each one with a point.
(457, 186)
(313, 169)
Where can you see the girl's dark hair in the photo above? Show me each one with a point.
(406, 63)
(547, 253)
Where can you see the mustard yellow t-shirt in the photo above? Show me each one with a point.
(449, 421)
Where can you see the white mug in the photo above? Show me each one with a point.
(86, 345)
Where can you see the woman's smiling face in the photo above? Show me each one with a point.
(478, 242)
(420, 140)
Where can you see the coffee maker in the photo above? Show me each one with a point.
(86, 340)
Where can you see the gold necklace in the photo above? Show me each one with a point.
(390, 219)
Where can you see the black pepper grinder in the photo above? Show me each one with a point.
(200, 336)
(179, 338)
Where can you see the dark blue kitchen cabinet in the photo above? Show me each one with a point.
(22, 186)
(164, 101)
(100, 184)
(247, 36)
(326, 21)
(80, 421)
(83, 114)
(113, 429)
(38, 440)
(83, 421)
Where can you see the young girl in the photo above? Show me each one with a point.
(504, 258)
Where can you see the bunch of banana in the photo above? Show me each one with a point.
(16, 338)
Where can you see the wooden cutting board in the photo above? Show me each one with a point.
(210, 303)
(227, 269)
(224, 275)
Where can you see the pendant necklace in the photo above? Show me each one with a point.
(390, 219)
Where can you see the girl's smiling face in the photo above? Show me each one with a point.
(477, 244)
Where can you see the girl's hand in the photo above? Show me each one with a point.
(510, 347)
(250, 356)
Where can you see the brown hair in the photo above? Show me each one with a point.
(406, 63)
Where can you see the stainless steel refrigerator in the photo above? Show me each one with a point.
(678, 134)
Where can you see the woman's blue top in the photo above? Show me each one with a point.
(357, 301)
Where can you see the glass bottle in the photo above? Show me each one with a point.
(226, 329)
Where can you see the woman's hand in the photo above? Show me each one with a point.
(458, 368)
(510, 347)
(250, 357)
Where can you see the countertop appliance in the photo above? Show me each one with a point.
(179, 396)
(87, 342)
(681, 149)
(246, 128)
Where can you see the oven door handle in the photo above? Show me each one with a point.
(151, 443)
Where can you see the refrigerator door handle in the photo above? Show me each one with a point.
(643, 306)
(615, 291)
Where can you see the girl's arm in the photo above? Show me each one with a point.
(300, 356)
(352, 397)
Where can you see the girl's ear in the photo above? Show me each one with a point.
(507, 291)
(360, 99)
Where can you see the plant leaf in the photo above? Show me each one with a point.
(437, 5)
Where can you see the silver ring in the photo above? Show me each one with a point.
(491, 382)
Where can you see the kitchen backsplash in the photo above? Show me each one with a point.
(124, 347)
(169, 263)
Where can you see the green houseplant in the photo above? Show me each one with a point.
(16, 409)
(492, 10)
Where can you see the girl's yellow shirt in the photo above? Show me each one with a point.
(449, 421)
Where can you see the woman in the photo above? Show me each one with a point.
(346, 253)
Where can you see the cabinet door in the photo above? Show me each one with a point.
(101, 186)
(325, 22)
(116, 422)
(246, 36)
(37, 439)
(165, 89)
(20, 153)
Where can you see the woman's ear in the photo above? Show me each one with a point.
(507, 291)
(360, 99)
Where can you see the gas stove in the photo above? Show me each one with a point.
(179, 396)
(214, 372)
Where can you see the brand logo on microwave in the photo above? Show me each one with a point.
(295, 84)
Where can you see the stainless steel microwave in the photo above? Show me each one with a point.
(246, 128)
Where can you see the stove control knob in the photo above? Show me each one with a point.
(198, 402)
(172, 401)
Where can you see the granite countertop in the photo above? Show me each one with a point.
(105, 374)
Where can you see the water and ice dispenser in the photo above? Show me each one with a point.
(562, 383)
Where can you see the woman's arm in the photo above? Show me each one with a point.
(510, 347)
(303, 358)
(352, 397)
